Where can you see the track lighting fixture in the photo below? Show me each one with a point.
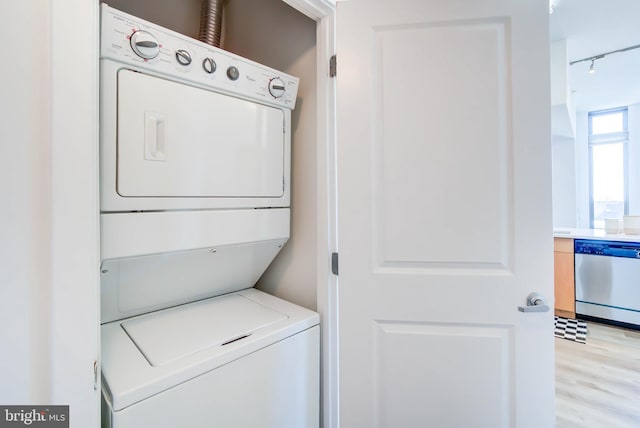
(592, 67)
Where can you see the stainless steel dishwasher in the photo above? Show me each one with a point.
(608, 280)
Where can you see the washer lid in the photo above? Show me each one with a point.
(175, 333)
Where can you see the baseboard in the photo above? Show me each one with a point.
(565, 314)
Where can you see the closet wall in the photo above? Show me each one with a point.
(182, 16)
(273, 33)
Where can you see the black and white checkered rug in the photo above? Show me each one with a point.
(570, 329)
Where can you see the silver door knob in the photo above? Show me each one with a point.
(535, 303)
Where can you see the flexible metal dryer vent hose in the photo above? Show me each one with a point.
(211, 22)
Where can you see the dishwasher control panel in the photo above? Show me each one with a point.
(607, 248)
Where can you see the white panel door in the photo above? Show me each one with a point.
(444, 172)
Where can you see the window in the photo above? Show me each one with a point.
(608, 189)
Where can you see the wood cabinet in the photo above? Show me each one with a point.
(565, 292)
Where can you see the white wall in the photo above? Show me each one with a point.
(564, 182)
(634, 159)
(582, 169)
(49, 244)
(562, 110)
(274, 34)
(25, 171)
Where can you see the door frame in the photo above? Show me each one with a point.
(74, 243)
(323, 12)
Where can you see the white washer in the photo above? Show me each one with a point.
(245, 359)
(195, 189)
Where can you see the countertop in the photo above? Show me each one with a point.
(599, 234)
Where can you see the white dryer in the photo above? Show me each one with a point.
(195, 188)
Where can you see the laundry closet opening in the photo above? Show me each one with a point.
(272, 33)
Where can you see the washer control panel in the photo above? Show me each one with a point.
(130, 40)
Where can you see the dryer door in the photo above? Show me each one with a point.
(176, 140)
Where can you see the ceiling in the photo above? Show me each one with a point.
(593, 27)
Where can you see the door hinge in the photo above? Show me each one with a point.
(334, 263)
(95, 375)
(333, 66)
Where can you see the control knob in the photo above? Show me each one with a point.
(209, 65)
(233, 73)
(144, 44)
(276, 87)
(183, 57)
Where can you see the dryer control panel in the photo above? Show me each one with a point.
(131, 40)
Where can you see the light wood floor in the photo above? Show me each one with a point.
(598, 383)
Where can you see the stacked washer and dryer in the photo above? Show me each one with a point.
(195, 192)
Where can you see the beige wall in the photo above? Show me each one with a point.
(182, 16)
(274, 34)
